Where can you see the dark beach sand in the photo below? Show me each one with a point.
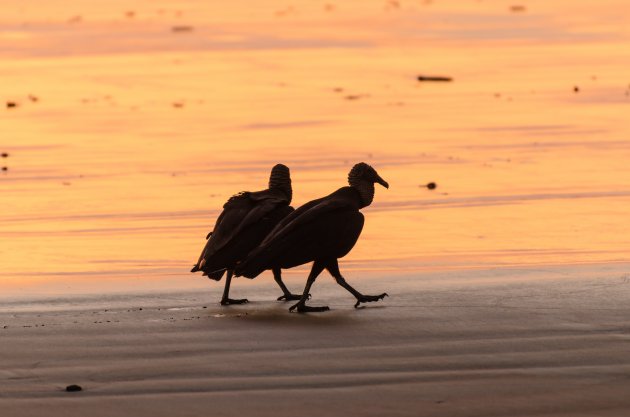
(515, 343)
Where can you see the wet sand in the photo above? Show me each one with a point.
(527, 342)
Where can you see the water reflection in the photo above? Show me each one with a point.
(139, 133)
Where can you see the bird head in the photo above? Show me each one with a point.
(280, 179)
(363, 172)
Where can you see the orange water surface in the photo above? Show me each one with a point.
(134, 122)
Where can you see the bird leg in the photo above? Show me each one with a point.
(333, 268)
(225, 300)
(277, 275)
(301, 305)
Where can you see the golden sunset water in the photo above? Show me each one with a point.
(134, 122)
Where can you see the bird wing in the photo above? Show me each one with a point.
(239, 212)
(297, 237)
(235, 210)
(309, 212)
(290, 218)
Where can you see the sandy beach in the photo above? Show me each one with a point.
(125, 127)
(537, 342)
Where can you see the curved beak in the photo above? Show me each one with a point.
(382, 181)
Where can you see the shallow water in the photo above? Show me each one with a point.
(136, 134)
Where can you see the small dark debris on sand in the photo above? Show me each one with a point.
(430, 186)
(181, 29)
(74, 388)
(11, 104)
(434, 78)
(33, 98)
(355, 96)
(576, 89)
(4, 154)
(178, 105)
(517, 8)
(5, 168)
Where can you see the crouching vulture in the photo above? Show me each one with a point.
(320, 231)
(246, 219)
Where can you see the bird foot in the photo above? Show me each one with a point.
(303, 308)
(369, 298)
(291, 297)
(228, 301)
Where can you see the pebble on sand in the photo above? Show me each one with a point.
(576, 89)
(74, 388)
(4, 154)
(11, 104)
(434, 78)
(180, 29)
(5, 168)
(431, 186)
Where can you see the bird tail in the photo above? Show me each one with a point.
(215, 275)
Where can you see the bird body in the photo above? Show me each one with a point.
(246, 220)
(321, 231)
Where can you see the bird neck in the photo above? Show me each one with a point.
(284, 189)
(366, 192)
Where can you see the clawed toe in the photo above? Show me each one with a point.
(229, 301)
(370, 298)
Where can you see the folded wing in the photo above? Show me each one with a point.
(239, 212)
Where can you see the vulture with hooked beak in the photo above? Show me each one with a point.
(320, 231)
(247, 218)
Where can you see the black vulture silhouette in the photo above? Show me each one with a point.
(321, 231)
(246, 220)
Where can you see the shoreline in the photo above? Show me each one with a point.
(186, 286)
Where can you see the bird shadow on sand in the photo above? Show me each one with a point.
(279, 314)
